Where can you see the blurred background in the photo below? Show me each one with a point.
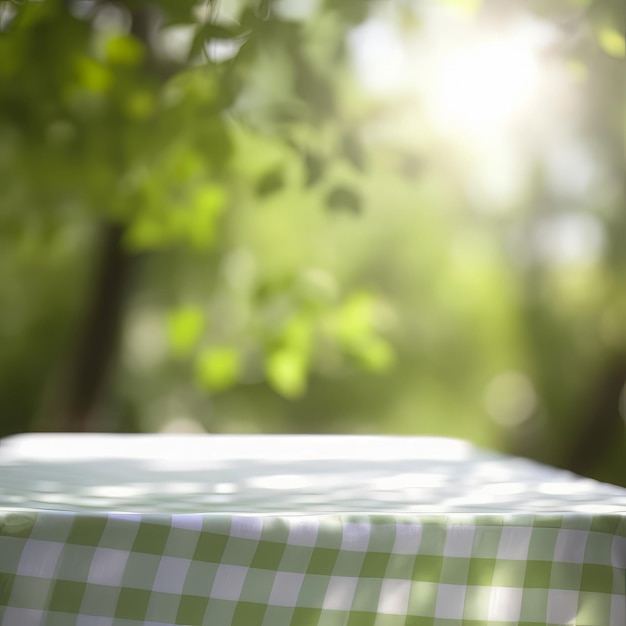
(242, 216)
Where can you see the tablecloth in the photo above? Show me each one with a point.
(106, 530)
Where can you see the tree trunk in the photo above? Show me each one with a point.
(99, 337)
(603, 422)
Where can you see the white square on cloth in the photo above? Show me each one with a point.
(394, 596)
(170, 577)
(514, 542)
(246, 527)
(356, 536)
(340, 593)
(187, 521)
(618, 552)
(408, 539)
(562, 606)
(303, 532)
(228, 582)
(618, 610)
(459, 541)
(505, 604)
(450, 602)
(570, 546)
(23, 617)
(286, 589)
(107, 567)
(39, 558)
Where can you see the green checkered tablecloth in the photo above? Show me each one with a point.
(103, 530)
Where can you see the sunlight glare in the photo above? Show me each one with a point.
(474, 82)
(484, 87)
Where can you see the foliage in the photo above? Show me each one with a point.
(309, 256)
(110, 122)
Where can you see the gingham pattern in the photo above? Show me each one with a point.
(89, 569)
(301, 531)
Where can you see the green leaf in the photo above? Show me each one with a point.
(140, 104)
(314, 87)
(286, 370)
(217, 369)
(355, 318)
(353, 151)
(317, 288)
(207, 206)
(145, 233)
(343, 198)
(354, 327)
(298, 333)
(612, 42)
(92, 76)
(124, 50)
(314, 166)
(374, 353)
(270, 182)
(184, 328)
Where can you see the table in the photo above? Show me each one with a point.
(113, 530)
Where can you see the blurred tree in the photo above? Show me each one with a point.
(115, 118)
(163, 170)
